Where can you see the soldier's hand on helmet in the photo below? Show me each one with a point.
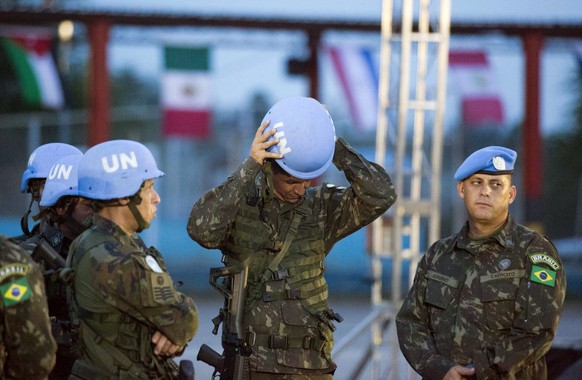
(260, 144)
(164, 346)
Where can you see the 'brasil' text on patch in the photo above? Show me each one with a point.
(537, 258)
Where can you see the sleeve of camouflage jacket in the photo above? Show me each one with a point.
(412, 326)
(128, 284)
(213, 213)
(369, 195)
(29, 344)
(538, 308)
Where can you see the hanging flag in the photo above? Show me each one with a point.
(186, 90)
(357, 72)
(480, 101)
(28, 52)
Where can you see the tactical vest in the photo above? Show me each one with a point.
(287, 320)
(131, 355)
(56, 297)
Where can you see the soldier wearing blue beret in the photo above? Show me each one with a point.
(487, 300)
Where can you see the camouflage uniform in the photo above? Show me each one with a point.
(287, 319)
(56, 297)
(493, 302)
(122, 293)
(27, 347)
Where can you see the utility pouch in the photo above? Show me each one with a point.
(84, 371)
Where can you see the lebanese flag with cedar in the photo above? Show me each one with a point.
(480, 101)
(186, 92)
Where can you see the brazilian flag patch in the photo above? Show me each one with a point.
(15, 292)
(543, 276)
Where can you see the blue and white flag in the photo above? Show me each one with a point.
(357, 71)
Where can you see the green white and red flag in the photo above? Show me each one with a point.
(28, 53)
(186, 92)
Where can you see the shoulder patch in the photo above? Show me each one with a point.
(542, 258)
(153, 264)
(15, 292)
(13, 270)
(543, 276)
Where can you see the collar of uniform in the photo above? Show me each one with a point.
(502, 236)
(110, 227)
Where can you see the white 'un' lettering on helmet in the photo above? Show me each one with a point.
(283, 148)
(125, 160)
(60, 171)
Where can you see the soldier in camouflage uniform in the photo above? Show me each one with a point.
(66, 216)
(268, 217)
(27, 347)
(33, 180)
(132, 319)
(486, 301)
(62, 215)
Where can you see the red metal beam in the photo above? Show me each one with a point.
(43, 16)
(99, 122)
(532, 140)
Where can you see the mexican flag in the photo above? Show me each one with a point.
(186, 92)
(28, 53)
(480, 100)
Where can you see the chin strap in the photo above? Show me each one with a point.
(141, 222)
(75, 227)
(24, 219)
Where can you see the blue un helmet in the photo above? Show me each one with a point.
(306, 136)
(42, 159)
(61, 180)
(116, 169)
(38, 167)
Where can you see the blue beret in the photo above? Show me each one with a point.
(489, 160)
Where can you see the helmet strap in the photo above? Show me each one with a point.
(40, 215)
(75, 227)
(141, 222)
(24, 219)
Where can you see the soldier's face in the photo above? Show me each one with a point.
(82, 210)
(288, 188)
(487, 197)
(149, 199)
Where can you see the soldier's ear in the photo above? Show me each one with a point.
(461, 189)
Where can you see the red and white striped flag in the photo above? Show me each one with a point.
(358, 75)
(186, 92)
(472, 75)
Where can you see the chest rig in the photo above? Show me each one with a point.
(287, 321)
(131, 354)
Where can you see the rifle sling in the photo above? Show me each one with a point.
(286, 244)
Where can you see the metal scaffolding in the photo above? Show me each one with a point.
(409, 144)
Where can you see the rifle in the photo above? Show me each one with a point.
(46, 252)
(231, 364)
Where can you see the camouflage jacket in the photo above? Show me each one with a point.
(285, 318)
(493, 302)
(27, 348)
(55, 289)
(123, 293)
